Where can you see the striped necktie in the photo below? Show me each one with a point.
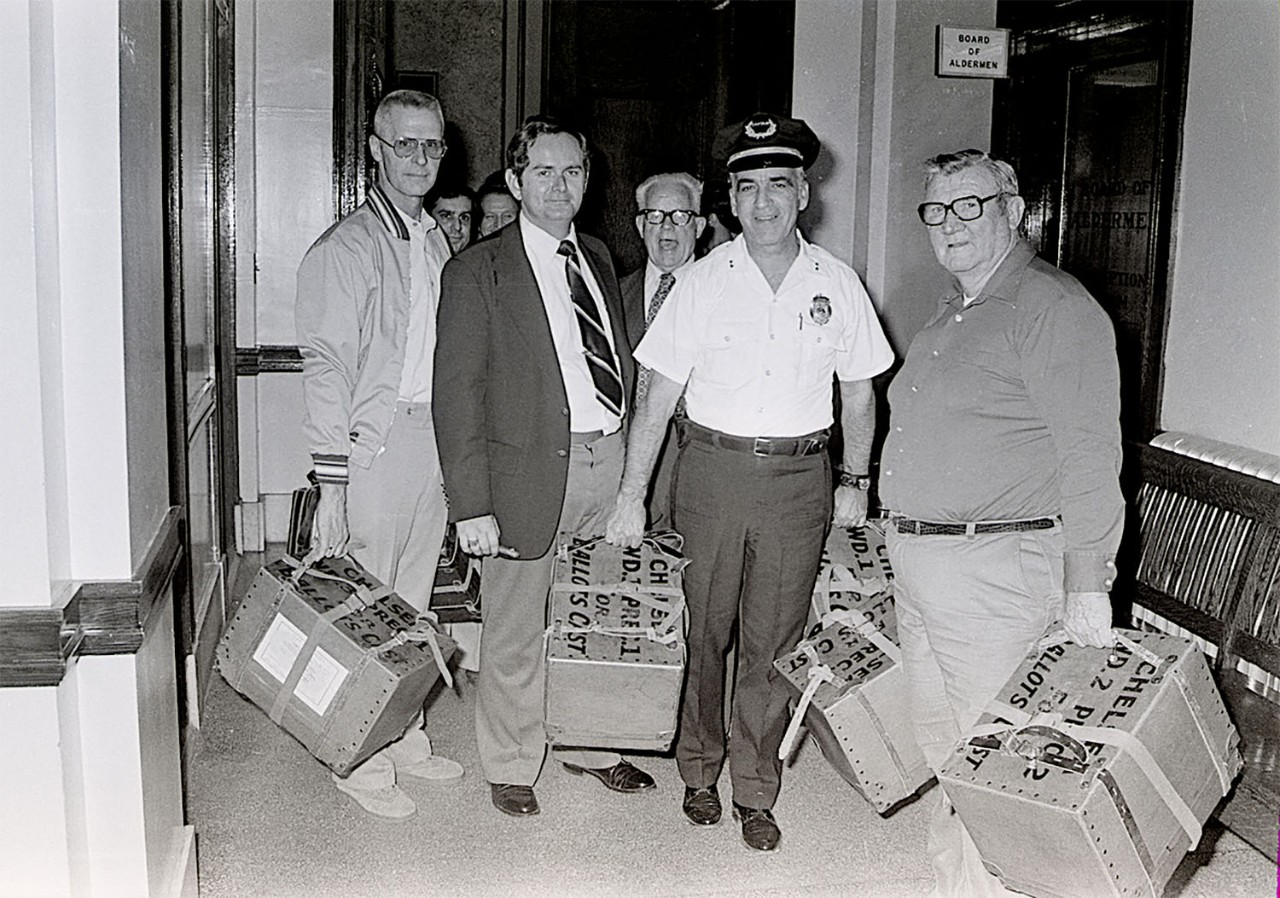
(595, 342)
(666, 281)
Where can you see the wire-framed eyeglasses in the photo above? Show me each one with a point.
(679, 217)
(407, 147)
(966, 208)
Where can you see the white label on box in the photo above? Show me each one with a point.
(320, 681)
(280, 647)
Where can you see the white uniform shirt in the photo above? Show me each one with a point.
(585, 411)
(428, 251)
(759, 363)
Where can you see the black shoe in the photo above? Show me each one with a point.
(621, 777)
(702, 806)
(518, 801)
(759, 829)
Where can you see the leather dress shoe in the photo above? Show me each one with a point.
(518, 801)
(759, 829)
(702, 806)
(621, 777)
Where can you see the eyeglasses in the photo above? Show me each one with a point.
(966, 208)
(406, 147)
(679, 217)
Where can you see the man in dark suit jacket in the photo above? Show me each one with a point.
(533, 379)
(669, 223)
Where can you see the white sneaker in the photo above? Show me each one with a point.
(389, 802)
(413, 756)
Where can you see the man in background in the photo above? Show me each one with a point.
(533, 379)
(498, 208)
(366, 318)
(668, 221)
(453, 209)
(1011, 522)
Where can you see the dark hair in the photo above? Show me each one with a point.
(494, 185)
(536, 126)
(451, 191)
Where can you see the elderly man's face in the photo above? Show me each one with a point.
(670, 246)
(969, 249)
(406, 181)
(767, 202)
(497, 210)
(454, 217)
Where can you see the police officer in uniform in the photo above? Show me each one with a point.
(753, 335)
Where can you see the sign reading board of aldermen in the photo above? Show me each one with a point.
(973, 52)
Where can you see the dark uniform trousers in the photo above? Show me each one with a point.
(753, 528)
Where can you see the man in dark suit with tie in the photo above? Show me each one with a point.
(533, 383)
(670, 225)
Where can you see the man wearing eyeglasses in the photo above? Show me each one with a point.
(1000, 470)
(669, 224)
(753, 337)
(368, 289)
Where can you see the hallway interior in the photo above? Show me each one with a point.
(269, 823)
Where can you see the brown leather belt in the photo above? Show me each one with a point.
(934, 528)
(810, 444)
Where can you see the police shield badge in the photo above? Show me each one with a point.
(820, 309)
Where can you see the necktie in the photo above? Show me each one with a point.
(666, 281)
(595, 343)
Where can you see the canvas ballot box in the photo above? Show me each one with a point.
(1094, 769)
(854, 699)
(855, 563)
(335, 658)
(615, 646)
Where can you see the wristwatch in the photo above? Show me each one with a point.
(857, 481)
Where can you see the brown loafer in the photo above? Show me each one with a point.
(516, 800)
(702, 806)
(759, 829)
(621, 777)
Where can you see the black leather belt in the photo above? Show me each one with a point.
(577, 438)
(934, 528)
(810, 444)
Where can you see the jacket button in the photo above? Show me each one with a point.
(562, 452)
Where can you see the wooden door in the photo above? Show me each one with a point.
(1091, 120)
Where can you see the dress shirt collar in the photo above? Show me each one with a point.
(812, 261)
(1001, 283)
(652, 274)
(424, 221)
(542, 244)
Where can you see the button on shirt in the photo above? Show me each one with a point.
(428, 251)
(585, 411)
(1009, 409)
(758, 363)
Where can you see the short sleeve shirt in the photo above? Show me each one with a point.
(759, 363)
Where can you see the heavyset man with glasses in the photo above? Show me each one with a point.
(756, 331)
(368, 289)
(669, 224)
(1000, 471)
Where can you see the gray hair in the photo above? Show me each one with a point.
(404, 99)
(951, 163)
(684, 179)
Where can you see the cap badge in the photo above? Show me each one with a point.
(760, 128)
(820, 309)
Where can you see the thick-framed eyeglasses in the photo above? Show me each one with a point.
(406, 147)
(966, 208)
(679, 217)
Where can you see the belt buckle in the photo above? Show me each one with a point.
(812, 446)
(766, 443)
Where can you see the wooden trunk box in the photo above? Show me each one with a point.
(857, 701)
(615, 646)
(855, 563)
(335, 658)
(1094, 769)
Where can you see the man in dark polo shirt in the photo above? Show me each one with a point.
(756, 334)
(1000, 471)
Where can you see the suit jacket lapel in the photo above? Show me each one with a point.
(518, 297)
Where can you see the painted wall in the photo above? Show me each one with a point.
(864, 81)
(462, 40)
(1222, 354)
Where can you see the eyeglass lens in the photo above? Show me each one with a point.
(405, 147)
(966, 208)
(679, 217)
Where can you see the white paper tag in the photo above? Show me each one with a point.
(280, 647)
(320, 681)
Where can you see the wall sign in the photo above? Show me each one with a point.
(973, 52)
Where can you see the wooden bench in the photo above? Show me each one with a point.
(1202, 560)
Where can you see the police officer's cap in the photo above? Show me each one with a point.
(765, 140)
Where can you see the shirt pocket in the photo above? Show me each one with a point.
(730, 355)
(817, 353)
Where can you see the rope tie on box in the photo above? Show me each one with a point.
(818, 674)
(423, 633)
